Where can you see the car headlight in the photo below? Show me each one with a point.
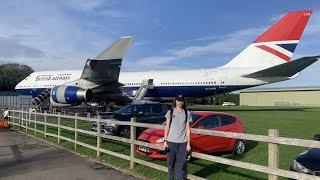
(110, 122)
(300, 168)
(160, 140)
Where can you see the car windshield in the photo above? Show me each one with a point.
(195, 117)
(126, 110)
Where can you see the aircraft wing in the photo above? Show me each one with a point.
(285, 70)
(99, 75)
(104, 69)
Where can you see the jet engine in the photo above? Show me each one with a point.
(69, 95)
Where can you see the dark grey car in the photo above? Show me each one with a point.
(308, 162)
(145, 112)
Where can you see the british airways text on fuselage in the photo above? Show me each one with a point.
(52, 77)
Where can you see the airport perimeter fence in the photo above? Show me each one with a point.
(29, 121)
(15, 102)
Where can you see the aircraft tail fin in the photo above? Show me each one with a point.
(276, 45)
(284, 71)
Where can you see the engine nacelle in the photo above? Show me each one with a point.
(69, 95)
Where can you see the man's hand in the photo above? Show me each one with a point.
(188, 147)
(165, 144)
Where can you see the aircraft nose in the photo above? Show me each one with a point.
(18, 86)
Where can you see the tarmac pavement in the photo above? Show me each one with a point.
(25, 158)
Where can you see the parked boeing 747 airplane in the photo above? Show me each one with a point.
(266, 60)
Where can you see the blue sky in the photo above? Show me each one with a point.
(55, 35)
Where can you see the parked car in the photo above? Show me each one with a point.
(145, 112)
(200, 143)
(308, 162)
(228, 104)
(103, 115)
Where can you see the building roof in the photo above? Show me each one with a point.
(281, 89)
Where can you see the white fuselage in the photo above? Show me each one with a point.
(208, 80)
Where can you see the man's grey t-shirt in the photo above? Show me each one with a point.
(178, 132)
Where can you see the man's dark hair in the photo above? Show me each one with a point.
(181, 98)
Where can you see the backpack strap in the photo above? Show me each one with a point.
(186, 115)
(171, 114)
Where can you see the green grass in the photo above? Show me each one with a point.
(300, 123)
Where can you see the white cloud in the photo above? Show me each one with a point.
(98, 7)
(155, 61)
(11, 48)
(229, 43)
(86, 5)
(113, 13)
(205, 38)
(45, 29)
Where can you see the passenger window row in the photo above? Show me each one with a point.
(178, 83)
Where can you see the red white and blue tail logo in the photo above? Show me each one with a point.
(283, 50)
(276, 45)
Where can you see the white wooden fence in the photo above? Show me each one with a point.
(23, 119)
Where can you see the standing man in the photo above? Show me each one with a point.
(177, 138)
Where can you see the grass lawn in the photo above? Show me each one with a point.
(300, 123)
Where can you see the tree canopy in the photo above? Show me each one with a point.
(11, 74)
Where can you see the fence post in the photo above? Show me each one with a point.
(20, 115)
(132, 146)
(12, 120)
(273, 154)
(19, 121)
(15, 119)
(75, 131)
(35, 123)
(98, 136)
(26, 121)
(45, 125)
(59, 129)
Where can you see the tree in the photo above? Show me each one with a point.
(229, 97)
(11, 74)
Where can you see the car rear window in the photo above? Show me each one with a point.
(227, 120)
(156, 108)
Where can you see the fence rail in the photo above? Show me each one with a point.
(23, 119)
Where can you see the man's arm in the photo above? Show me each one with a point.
(188, 128)
(188, 136)
(166, 129)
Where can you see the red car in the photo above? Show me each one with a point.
(200, 143)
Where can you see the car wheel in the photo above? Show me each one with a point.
(239, 147)
(125, 132)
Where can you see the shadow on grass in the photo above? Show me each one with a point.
(248, 109)
(209, 169)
